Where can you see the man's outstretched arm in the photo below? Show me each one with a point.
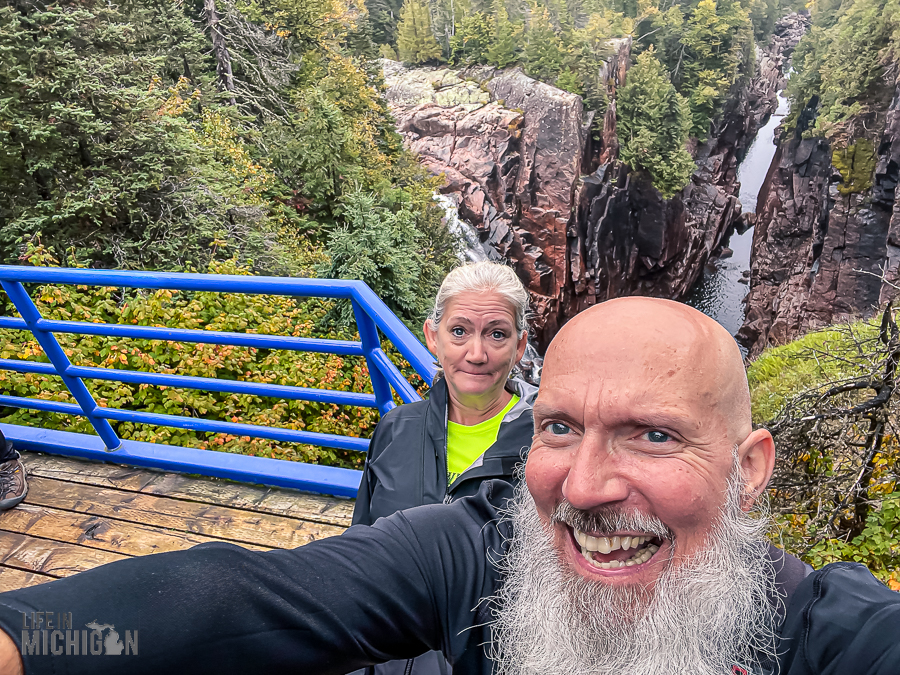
(10, 661)
(394, 590)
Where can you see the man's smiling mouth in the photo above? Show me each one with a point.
(616, 551)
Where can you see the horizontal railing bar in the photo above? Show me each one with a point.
(225, 386)
(235, 428)
(200, 383)
(329, 480)
(22, 366)
(41, 404)
(398, 382)
(258, 340)
(193, 423)
(177, 281)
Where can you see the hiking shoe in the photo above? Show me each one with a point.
(12, 483)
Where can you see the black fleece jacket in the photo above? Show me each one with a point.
(412, 582)
(407, 461)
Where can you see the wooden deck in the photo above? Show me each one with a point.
(78, 515)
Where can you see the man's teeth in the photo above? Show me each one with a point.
(605, 545)
(608, 544)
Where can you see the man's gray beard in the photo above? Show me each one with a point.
(703, 616)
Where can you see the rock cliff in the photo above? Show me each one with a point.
(523, 166)
(827, 242)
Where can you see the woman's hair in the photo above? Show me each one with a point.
(479, 277)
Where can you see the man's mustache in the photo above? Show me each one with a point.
(608, 520)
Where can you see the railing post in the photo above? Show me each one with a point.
(368, 335)
(61, 363)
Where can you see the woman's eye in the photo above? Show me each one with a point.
(657, 437)
(498, 335)
(558, 429)
(457, 332)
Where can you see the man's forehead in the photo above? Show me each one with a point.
(646, 360)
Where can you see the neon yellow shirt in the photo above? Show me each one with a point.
(466, 444)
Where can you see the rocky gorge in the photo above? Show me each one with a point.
(827, 242)
(541, 182)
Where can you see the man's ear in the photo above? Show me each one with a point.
(757, 458)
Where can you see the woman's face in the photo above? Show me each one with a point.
(476, 344)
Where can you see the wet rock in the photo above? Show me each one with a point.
(823, 250)
(579, 226)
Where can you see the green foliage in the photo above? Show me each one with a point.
(92, 152)
(388, 249)
(415, 41)
(842, 61)
(704, 47)
(569, 81)
(856, 164)
(808, 486)
(504, 48)
(274, 315)
(780, 372)
(545, 54)
(876, 547)
(653, 125)
(473, 39)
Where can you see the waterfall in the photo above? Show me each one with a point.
(474, 252)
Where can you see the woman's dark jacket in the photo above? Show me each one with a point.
(407, 461)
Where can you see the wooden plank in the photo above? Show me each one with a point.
(52, 558)
(96, 532)
(317, 508)
(213, 521)
(11, 579)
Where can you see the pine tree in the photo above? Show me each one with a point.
(472, 40)
(545, 55)
(415, 41)
(504, 48)
(653, 125)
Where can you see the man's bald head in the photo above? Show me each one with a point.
(673, 344)
(641, 469)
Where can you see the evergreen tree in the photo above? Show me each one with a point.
(473, 39)
(570, 82)
(383, 22)
(545, 55)
(97, 149)
(415, 41)
(504, 48)
(714, 39)
(653, 125)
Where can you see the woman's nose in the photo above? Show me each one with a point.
(477, 352)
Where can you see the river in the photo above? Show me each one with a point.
(720, 291)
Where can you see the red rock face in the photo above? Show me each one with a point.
(512, 169)
(577, 224)
(822, 254)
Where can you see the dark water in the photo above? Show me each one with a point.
(720, 292)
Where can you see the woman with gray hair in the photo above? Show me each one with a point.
(476, 421)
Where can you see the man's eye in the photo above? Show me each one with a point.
(657, 437)
(558, 429)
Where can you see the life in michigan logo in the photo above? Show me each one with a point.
(51, 633)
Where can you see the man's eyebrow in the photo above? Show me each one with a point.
(544, 411)
(664, 420)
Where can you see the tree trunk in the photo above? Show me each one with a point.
(223, 58)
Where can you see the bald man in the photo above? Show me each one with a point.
(634, 548)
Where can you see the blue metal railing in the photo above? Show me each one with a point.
(371, 315)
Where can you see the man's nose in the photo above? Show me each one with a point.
(595, 476)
